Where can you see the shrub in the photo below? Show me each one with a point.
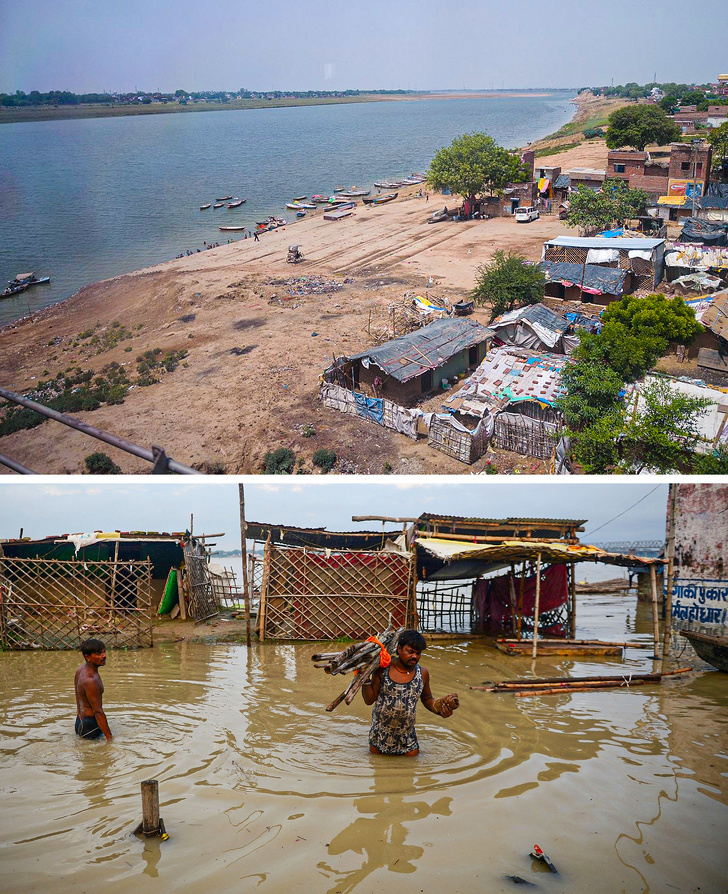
(325, 459)
(279, 462)
(101, 464)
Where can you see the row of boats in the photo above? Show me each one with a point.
(22, 282)
(230, 201)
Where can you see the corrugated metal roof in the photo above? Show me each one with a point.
(410, 355)
(629, 244)
(562, 182)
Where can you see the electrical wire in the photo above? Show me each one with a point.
(629, 509)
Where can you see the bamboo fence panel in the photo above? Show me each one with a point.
(203, 603)
(445, 608)
(522, 434)
(56, 604)
(314, 595)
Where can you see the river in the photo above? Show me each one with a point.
(87, 199)
(261, 789)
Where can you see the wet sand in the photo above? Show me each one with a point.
(256, 351)
(261, 789)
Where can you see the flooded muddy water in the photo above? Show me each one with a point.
(262, 790)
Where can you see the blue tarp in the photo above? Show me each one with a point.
(371, 408)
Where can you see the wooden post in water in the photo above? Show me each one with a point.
(670, 552)
(655, 622)
(152, 823)
(243, 535)
(572, 585)
(181, 595)
(537, 605)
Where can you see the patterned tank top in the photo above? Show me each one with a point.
(393, 716)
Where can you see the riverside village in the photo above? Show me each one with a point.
(556, 309)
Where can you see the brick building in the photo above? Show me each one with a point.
(686, 171)
(639, 170)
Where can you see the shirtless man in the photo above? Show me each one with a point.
(394, 691)
(91, 722)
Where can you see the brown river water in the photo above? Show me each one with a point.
(262, 790)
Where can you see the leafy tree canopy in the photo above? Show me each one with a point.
(612, 205)
(507, 282)
(655, 316)
(639, 126)
(718, 139)
(473, 163)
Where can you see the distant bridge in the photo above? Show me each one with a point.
(649, 549)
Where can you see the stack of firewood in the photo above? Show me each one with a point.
(360, 658)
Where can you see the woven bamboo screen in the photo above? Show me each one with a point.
(56, 604)
(323, 595)
(203, 602)
(466, 446)
(521, 434)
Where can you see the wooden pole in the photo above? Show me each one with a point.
(573, 600)
(263, 589)
(243, 533)
(512, 596)
(670, 550)
(520, 602)
(655, 621)
(181, 595)
(150, 806)
(537, 606)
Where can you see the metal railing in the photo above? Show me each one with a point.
(161, 463)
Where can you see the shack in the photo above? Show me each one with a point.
(322, 585)
(570, 282)
(60, 590)
(510, 400)
(537, 327)
(643, 258)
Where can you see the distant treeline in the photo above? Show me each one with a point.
(66, 98)
(226, 553)
(700, 95)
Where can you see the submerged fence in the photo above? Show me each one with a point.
(56, 604)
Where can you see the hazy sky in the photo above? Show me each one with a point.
(137, 504)
(85, 46)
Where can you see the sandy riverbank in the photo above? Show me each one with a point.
(250, 381)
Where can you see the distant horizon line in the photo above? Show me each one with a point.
(106, 92)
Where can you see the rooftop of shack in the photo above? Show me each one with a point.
(621, 243)
(592, 278)
(476, 528)
(715, 316)
(320, 538)
(509, 375)
(537, 314)
(428, 348)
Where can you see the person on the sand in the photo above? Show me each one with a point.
(394, 691)
(91, 722)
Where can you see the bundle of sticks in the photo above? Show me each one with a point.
(361, 658)
(554, 685)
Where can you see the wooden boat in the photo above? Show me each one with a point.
(236, 203)
(225, 199)
(438, 217)
(29, 279)
(14, 289)
(219, 205)
(205, 207)
(300, 198)
(233, 228)
(381, 200)
(713, 649)
(300, 213)
(338, 214)
(354, 193)
(297, 206)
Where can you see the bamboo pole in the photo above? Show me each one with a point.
(572, 583)
(263, 589)
(520, 601)
(537, 605)
(670, 550)
(181, 595)
(243, 534)
(512, 596)
(565, 682)
(655, 621)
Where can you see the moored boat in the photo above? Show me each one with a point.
(219, 205)
(236, 203)
(299, 198)
(205, 207)
(713, 649)
(354, 192)
(28, 279)
(14, 289)
(239, 228)
(225, 198)
(298, 206)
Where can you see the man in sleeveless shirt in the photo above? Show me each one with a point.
(91, 722)
(394, 691)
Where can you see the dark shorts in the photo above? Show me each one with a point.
(88, 728)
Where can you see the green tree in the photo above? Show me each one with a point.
(592, 391)
(612, 205)
(718, 139)
(472, 164)
(639, 126)
(655, 317)
(668, 103)
(507, 282)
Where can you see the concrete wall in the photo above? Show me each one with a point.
(700, 588)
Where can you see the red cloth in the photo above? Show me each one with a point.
(492, 600)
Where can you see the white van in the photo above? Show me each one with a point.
(526, 213)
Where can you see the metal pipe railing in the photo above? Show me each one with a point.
(161, 463)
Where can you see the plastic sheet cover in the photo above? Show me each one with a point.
(705, 232)
(591, 277)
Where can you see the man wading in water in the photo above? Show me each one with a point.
(91, 722)
(394, 691)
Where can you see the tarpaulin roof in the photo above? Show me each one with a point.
(546, 325)
(320, 538)
(600, 242)
(717, 189)
(563, 181)
(552, 552)
(718, 202)
(410, 355)
(590, 277)
(695, 230)
(510, 375)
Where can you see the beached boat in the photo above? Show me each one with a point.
(382, 199)
(713, 649)
(354, 192)
(205, 207)
(236, 203)
(300, 213)
(298, 206)
(439, 216)
(299, 198)
(338, 214)
(387, 184)
(225, 198)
